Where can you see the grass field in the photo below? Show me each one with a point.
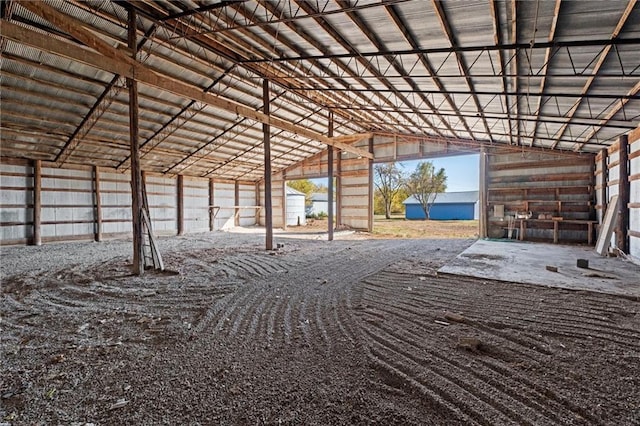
(399, 227)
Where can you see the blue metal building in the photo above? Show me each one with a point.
(447, 206)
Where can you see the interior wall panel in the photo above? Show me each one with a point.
(67, 204)
(16, 203)
(162, 194)
(196, 205)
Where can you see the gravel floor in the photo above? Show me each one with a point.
(349, 332)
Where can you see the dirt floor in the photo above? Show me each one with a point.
(349, 332)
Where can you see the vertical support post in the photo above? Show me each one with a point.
(266, 137)
(623, 193)
(211, 209)
(136, 173)
(338, 174)
(484, 208)
(283, 190)
(257, 203)
(330, 205)
(236, 202)
(37, 202)
(180, 204)
(604, 180)
(98, 203)
(370, 227)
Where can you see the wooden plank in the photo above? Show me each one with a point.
(98, 203)
(542, 178)
(602, 191)
(236, 203)
(266, 138)
(634, 135)
(370, 192)
(559, 162)
(136, 171)
(212, 213)
(180, 202)
(483, 196)
(37, 202)
(607, 227)
(338, 188)
(116, 61)
(622, 242)
(330, 181)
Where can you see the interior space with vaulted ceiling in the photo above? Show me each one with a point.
(149, 270)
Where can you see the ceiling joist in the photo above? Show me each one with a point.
(116, 61)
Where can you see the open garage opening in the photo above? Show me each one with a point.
(307, 206)
(427, 198)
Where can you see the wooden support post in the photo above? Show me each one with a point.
(98, 203)
(180, 205)
(37, 202)
(257, 203)
(604, 179)
(370, 227)
(266, 137)
(330, 205)
(484, 207)
(212, 217)
(236, 202)
(338, 188)
(624, 193)
(136, 172)
(283, 204)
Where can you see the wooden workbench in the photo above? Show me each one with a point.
(556, 225)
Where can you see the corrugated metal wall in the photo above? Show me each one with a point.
(115, 199)
(16, 203)
(611, 178)
(162, 195)
(449, 211)
(296, 209)
(196, 205)
(69, 203)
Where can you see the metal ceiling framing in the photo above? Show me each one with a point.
(551, 74)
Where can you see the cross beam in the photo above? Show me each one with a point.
(116, 61)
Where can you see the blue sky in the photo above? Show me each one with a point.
(462, 171)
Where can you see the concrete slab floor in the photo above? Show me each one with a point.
(526, 262)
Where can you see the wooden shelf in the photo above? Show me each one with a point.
(556, 227)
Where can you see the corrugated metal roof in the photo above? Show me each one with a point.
(454, 69)
(290, 191)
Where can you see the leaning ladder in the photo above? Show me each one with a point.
(150, 251)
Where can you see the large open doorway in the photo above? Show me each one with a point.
(427, 198)
(307, 206)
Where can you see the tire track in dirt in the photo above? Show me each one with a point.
(394, 303)
(554, 322)
(398, 317)
(307, 284)
(456, 368)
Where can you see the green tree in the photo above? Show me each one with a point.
(425, 183)
(389, 180)
(306, 187)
